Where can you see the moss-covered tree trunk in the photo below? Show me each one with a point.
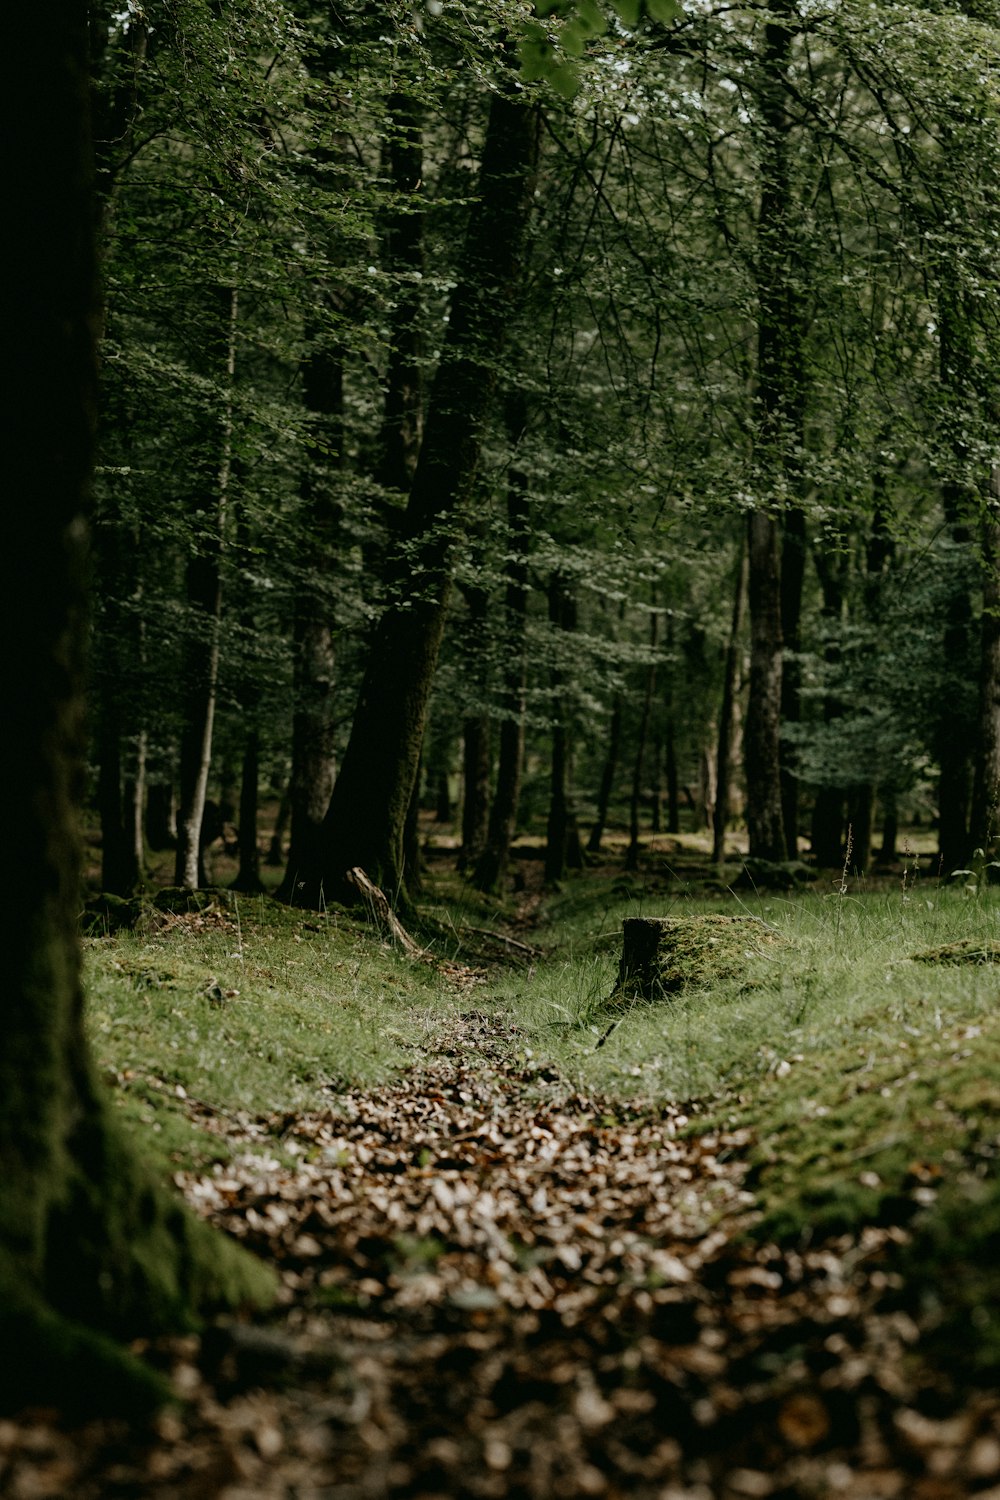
(367, 815)
(89, 1244)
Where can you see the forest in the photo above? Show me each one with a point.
(587, 421)
(503, 752)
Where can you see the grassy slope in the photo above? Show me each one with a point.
(871, 1081)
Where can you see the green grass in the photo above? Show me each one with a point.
(273, 1015)
(870, 1080)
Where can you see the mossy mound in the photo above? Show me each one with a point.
(661, 955)
(964, 951)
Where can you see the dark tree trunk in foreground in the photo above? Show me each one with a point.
(724, 745)
(88, 1240)
(365, 823)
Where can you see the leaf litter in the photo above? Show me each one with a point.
(492, 1285)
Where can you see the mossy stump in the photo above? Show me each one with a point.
(661, 955)
(963, 951)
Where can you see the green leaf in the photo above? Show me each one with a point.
(565, 79)
(573, 39)
(591, 18)
(629, 11)
(664, 11)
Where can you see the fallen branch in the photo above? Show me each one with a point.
(381, 913)
(500, 937)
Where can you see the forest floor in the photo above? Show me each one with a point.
(706, 1259)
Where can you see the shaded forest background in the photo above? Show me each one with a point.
(586, 420)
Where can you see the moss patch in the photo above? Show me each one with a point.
(964, 951)
(662, 955)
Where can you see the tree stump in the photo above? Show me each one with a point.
(661, 955)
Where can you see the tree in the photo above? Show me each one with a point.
(371, 798)
(90, 1244)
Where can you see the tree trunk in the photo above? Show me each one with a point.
(477, 765)
(890, 829)
(730, 682)
(367, 815)
(201, 669)
(607, 777)
(632, 854)
(248, 876)
(828, 816)
(779, 438)
(762, 736)
(956, 730)
(88, 1241)
(161, 825)
(276, 848)
(491, 867)
(860, 810)
(402, 419)
(793, 564)
(986, 786)
(827, 829)
(314, 661)
(563, 850)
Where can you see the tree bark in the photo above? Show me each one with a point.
(793, 564)
(477, 764)
(607, 777)
(314, 661)
(365, 822)
(779, 437)
(986, 785)
(402, 420)
(762, 736)
(87, 1240)
(724, 745)
(491, 867)
(632, 853)
(201, 670)
(563, 850)
(828, 816)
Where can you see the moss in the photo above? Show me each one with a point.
(126, 1256)
(48, 1359)
(964, 951)
(665, 954)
